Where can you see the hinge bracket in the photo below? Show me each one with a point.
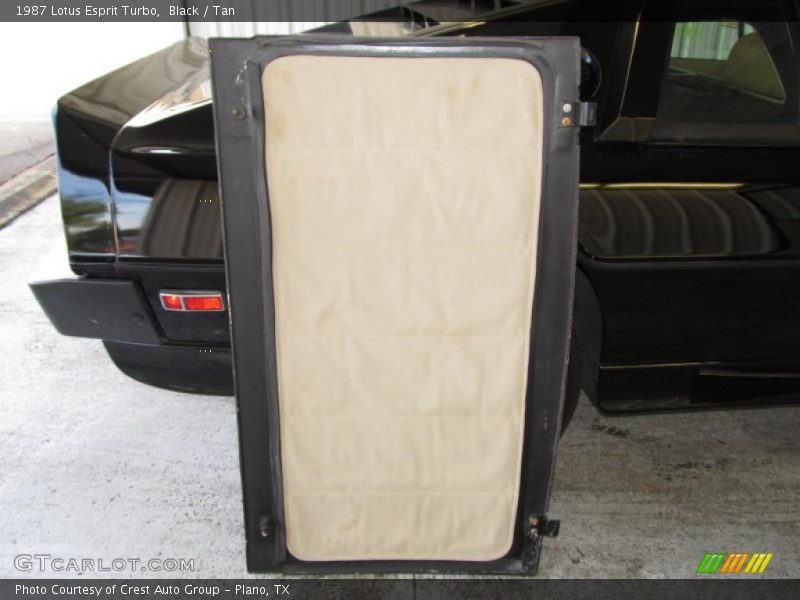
(535, 529)
(578, 114)
(542, 526)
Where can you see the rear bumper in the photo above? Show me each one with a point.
(118, 312)
(192, 369)
(106, 309)
(97, 308)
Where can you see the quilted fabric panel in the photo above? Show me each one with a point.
(404, 205)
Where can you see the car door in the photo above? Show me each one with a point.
(400, 235)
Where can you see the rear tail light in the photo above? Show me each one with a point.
(190, 301)
(171, 301)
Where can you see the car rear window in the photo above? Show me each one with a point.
(730, 72)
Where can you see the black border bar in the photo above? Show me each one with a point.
(740, 588)
(425, 12)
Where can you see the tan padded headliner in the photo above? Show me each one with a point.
(404, 198)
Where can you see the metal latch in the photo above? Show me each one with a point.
(578, 114)
(536, 528)
(542, 526)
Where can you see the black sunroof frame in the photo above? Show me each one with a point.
(237, 67)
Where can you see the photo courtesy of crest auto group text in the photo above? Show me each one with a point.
(400, 299)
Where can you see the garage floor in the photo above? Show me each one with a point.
(95, 465)
(22, 145)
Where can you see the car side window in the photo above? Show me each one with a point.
(729, 72)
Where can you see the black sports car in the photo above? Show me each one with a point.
(689, 237)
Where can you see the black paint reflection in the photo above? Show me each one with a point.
(182, 221)
(88, 121)
(619, 223)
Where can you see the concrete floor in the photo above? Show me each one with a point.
(93, 464)
(22, 145)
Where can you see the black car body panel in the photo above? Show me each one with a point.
(689, 238)
(89, 123)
